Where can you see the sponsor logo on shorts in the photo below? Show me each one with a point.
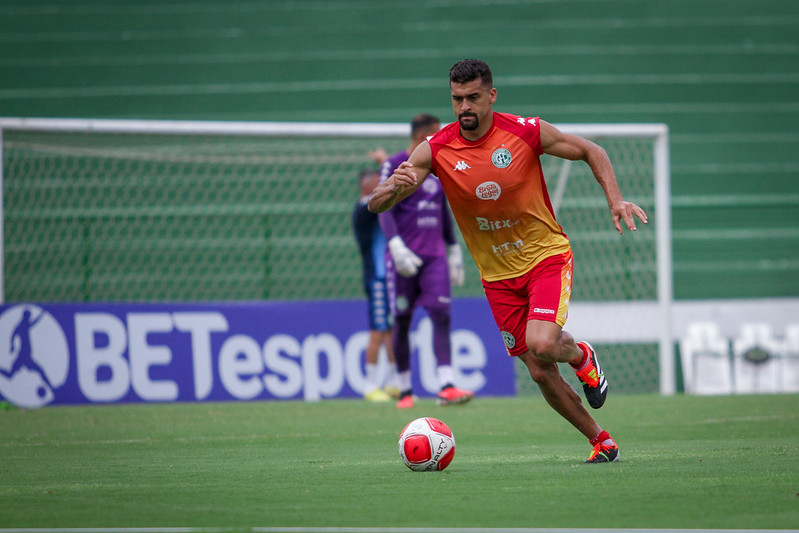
(544, 311)
(488, 190)
(510, 340)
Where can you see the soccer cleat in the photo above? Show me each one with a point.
(377, 396)
(595, 385)
(405, 401)
(394, 392)
(454, 396)
(603, 454)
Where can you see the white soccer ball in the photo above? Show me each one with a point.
(426, 444)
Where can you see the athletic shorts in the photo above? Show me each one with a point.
(429, 288)
(541, 294)
(377, 297)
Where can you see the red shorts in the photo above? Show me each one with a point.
(541, 294)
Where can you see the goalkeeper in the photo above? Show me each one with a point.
(489, 166)
(422, 260)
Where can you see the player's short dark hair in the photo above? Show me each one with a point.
(467, 70)
(365, 173)
(421, 122)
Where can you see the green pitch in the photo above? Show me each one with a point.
(686, 462)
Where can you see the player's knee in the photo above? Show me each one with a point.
(542, 372)
(543, 347)
(439, 315)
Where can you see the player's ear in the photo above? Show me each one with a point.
(492, 95)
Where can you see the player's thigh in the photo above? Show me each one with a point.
(403, 293)
(542, 338)
(548, 288)
(509, 309)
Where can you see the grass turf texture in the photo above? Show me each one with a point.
(687, 462)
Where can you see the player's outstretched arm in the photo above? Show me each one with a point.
(407, 177)
(574, 148)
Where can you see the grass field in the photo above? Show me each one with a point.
(687, 462)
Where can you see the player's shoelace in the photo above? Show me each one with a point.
(604, 454)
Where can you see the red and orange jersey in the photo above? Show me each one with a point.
(496, 190)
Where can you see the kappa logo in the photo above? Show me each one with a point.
(461, 165)
(34, 356)
(501, 158)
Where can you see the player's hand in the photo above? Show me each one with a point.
(404, 177)
(627, 211)
(379, 155)
(455, 261)
(406, 262)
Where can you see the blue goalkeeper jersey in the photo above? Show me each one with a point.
(371, 242)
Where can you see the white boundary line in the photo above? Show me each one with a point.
(375, 530)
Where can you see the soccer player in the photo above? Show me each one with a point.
(488, 163)
(372, 247)
(423, 260)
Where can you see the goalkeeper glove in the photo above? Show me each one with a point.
(406, 262)
(455, 260)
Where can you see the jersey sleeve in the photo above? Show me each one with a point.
(526, 128)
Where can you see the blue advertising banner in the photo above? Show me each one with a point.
(105, 353)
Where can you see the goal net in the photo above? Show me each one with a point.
(107, 210)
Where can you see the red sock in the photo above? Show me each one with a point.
(602, 437)
(581, 364)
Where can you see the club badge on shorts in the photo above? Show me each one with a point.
(510, 341)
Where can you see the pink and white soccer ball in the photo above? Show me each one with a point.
(426, 444)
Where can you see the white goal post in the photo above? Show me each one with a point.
(654, 314)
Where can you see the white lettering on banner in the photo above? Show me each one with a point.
(353, 350)
(200, 326)
(94, 359)
(291, 382)
(240, 367)
(316, 385)
(115, 356)
(468, 353)
(139, 326)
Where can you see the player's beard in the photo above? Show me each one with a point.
(469, 126)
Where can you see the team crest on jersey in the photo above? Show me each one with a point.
(501, 158)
